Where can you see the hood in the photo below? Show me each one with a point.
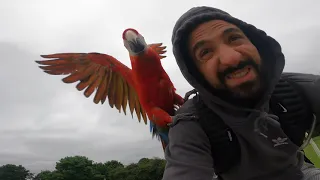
(270, 50)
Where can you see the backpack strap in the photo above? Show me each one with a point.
(290, 104)
(225, 149)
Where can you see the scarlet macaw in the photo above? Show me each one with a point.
(146, 87)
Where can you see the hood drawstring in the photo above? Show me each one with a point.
(262, 121)
(309, 136)
(264, 118)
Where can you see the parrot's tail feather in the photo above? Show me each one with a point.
(164, 145)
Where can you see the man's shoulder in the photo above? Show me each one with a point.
(189, 149)
(186, 123)
(307, 85)
(193, 105)
(189, 106)
(187, 112)
(299, 77)
(195, 110)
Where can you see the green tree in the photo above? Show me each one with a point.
(150, 169)
(99, 170)
(77, 167)
(43, 175)
(82, 168)
(118, 173)
(157, 167)
(145, 169)
(114, 169)
(132, 171)
(48, 175)
(14, 172)
(113, 165)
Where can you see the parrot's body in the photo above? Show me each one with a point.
(146, 87)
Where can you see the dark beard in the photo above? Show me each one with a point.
(247, 93)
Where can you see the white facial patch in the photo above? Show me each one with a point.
(130, 35)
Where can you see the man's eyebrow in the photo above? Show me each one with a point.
(232, 30)
(226, 31)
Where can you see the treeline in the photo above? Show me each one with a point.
(82, 168)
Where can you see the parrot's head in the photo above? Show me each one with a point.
(133, 41)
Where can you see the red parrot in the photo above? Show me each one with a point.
(146, 87)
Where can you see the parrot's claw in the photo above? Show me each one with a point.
(176, 107)
(188, 94)
(172, 122)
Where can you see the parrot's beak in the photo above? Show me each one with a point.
(134, 42)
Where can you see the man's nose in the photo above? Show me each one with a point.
(228, 56)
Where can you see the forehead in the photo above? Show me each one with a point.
(211, 30)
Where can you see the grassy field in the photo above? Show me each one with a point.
(311, 154)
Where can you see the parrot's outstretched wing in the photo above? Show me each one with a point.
(101, 72)
(159, 49)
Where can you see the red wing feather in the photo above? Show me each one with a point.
(97, 72)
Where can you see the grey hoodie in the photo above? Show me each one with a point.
(188, 154)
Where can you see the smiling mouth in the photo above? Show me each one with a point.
(239, 73)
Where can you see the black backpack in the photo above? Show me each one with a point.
(288, 102)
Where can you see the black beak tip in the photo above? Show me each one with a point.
(137, 46)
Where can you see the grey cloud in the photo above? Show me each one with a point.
(301, 49)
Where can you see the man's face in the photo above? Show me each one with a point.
(226, 57)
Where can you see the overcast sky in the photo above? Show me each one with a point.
(43, 119)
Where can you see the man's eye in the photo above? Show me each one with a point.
(204, 52)
(234, 38)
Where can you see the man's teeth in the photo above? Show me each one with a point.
(239, 74)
